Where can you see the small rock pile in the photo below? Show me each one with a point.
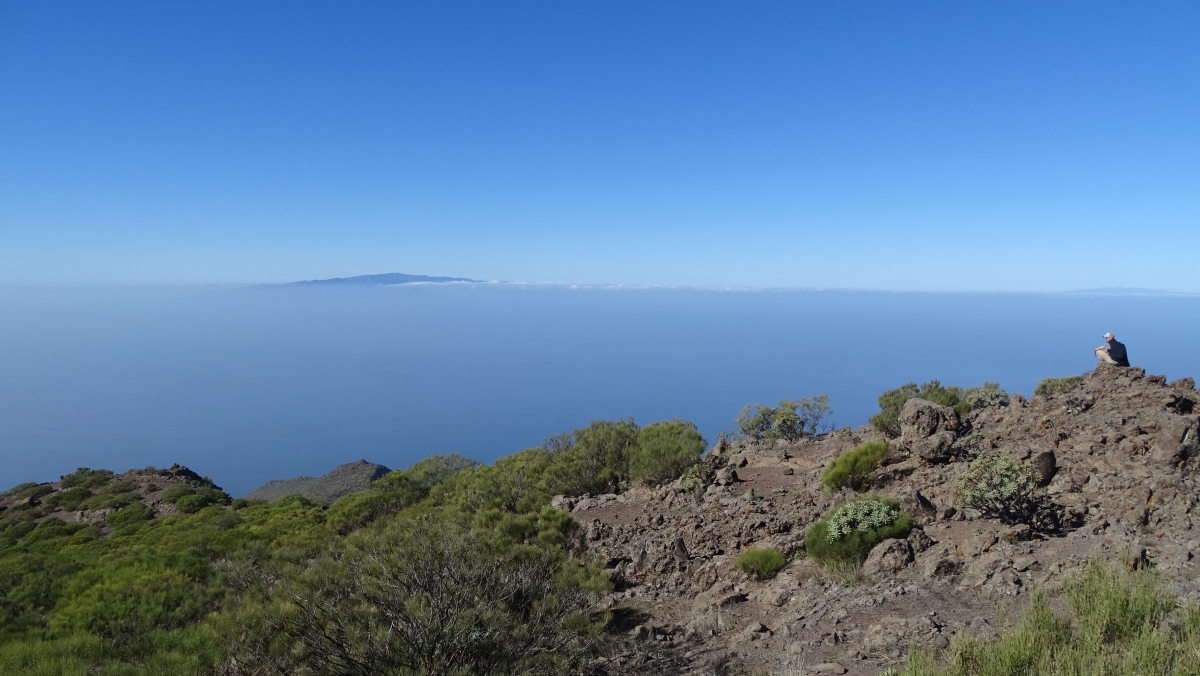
(1116, 455)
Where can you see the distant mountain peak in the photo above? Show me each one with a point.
(386, 278)
(342, 480)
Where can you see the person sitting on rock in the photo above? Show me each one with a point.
(1112, 352)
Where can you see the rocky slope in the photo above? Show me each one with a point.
(342, 480)
(1118, 452)
(106, 493)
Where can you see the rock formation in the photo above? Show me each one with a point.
(342, 480)
(1117, 455)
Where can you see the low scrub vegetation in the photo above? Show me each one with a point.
(989, 394)
(445, 567)
(1052, 386)
(855, 468)
(849, 533)
(664, 450)
(994, 486)
(761, 563)
(1120, 624)
(790, 420)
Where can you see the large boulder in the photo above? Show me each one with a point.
(928, 430)
(1177, 441)
(887, 558)
(920, 419)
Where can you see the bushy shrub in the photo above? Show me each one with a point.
(69, 499)
(594, 459)
(989, 394)
(134, 513)
(85, 477)
(356, 510)
(999, 487)
(431, 471)
(664, 450)
(761, 563)
(1121, 624)
(109, 501)
(30, 490)
(1052, 386)
(699, 475)
(892, 401)
(191, 499)
(791, 420)
(176, 491)
(847, 534)
(18, 492)
(855, 468)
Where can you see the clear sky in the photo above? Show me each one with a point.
(957, 145)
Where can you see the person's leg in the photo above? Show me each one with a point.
(1102, 355)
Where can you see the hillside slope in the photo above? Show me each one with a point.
(342, 480)
(1119, 450)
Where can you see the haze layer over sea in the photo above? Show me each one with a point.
(248, 384)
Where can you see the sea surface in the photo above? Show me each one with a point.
(248, 384)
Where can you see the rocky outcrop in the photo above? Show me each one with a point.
(343, 480)
(1117, 456)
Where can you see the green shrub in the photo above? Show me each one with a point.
(352, 512)
(200, 498)
(892, 401)
(118, 487)
(999, 487)
(134, 513)
(1124, 624)
(699, 475)
(989, 394)
(106, 501)
(855, 468)
(1052, 386)
(762, 563)
(594, 459)
(86, 478)
(847, 534)
(176, 491)
(791, 420)
(664, 450)
(69, 499)
(30, 490)
(17, 492)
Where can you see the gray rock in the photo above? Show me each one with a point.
(888, 558)
(921, 419)
(935, 449)
(1046, 465)
(680, 553)
(919, 541)
(1176, 441)
(827, 668)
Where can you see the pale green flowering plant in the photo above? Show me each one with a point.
(865, 514)
(999, 487)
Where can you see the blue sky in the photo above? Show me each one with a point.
(949, 146)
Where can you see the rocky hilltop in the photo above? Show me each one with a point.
(342, 480)
(1116, 452)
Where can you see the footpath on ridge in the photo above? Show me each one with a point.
(1118, 453)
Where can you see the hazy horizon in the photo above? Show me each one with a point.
(253, 383)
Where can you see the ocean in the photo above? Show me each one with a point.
(251, 383)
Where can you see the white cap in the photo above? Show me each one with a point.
(1108, 336)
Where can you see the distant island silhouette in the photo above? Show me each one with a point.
(386, 278)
